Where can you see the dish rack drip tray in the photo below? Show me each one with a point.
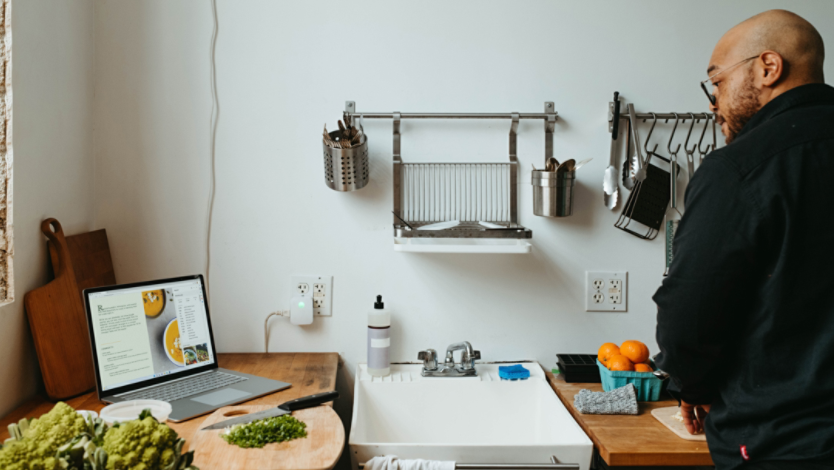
(457, 208)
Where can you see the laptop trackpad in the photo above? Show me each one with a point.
(222, 396)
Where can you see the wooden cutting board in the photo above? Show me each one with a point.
(90, 257)
(59, 325)
(666, 417)
(320, 450)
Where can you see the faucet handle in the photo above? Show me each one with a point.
(429, 358)
(468, 360)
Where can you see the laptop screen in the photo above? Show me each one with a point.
(149, 330)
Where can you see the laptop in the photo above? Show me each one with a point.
(153, 340)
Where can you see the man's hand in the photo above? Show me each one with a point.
(694, 417)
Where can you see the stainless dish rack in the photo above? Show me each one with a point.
(481, 197)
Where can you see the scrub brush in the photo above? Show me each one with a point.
(514, 372)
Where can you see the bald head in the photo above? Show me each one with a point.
(786, 33)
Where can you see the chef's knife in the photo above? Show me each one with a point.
(284, 408)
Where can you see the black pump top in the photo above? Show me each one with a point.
(378, 304)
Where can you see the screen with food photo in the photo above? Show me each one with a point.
(152, 331)
(190, 356)
(202, 352)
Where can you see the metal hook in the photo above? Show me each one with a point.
(671, 137)
(649, 137)
(703, 133)
(688, 134)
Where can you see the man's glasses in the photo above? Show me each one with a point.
(711, 95)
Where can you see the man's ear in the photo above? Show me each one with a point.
(773, 66)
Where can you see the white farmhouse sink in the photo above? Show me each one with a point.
(469, 420)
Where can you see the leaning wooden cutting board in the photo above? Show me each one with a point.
(90, 257)
(320, 450)
(59, 326)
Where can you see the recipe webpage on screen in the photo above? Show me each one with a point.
(149, 332)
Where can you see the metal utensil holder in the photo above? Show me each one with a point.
(553, 193)
(346, 169)
(482, 196)
(552, 190)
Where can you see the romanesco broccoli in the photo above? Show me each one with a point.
(142, 444)
(41, 437)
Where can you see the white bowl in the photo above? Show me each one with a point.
(86, 413)
(129, 410)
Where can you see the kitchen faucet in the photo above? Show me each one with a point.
(466, 367)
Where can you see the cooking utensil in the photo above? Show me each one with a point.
(59, 325)
(647, 203)
(629, 165)
(551, 164)
(671, 229)
(582, 163)
(610, 189)
(282, 409)
(640, 174)
(566, 165)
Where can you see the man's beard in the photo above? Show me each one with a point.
(744, 107)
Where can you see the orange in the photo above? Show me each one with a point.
(643, 368)
(606, 351)
(620, 362)
(635, 351)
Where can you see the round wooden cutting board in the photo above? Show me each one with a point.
(320, 450)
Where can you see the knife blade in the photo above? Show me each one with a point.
(282, 409)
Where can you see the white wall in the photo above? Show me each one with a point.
(284, 68)
(53, 170)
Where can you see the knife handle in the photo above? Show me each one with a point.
(309, 401)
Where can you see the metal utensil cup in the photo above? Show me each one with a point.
(346, 169)
(553, 193)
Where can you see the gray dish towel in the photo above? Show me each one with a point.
(620, 401)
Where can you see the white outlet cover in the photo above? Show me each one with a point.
(609, 283)
(326, 309)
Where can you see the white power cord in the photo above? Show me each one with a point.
(280, 313)
(215, 115)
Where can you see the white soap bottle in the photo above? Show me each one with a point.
(379, 339)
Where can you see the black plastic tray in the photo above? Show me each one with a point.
(579, 368)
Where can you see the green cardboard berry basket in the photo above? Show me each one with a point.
(648, 386)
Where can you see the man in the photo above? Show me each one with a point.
(746, 315)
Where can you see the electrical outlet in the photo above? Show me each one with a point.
(322, 290)
(606, 291)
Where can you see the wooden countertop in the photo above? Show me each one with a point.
(308, 373)
(623, 440)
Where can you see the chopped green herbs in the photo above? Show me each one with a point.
(265, 431)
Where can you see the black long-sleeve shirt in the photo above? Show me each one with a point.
(746, 316)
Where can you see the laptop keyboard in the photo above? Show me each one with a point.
(186, 388)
